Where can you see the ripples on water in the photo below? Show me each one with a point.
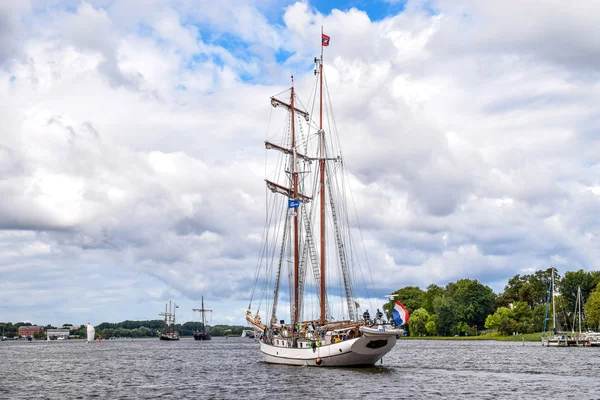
(232, 369)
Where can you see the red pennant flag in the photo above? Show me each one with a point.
(325, 40)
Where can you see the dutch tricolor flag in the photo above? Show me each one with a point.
(400, 314)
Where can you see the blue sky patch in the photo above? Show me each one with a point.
(145, 30)
(282, 55)
(233, 44)
(376, 10)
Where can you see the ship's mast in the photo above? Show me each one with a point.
(296, 228)
(553, 301)
(174, 307)
(322, 184)
(203, 323)
(578, 307)
(203, 311)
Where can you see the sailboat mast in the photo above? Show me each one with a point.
(296, 228)
(579, 304)
(322, 185)
(553, 308)
(203, 323)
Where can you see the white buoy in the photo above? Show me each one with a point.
(91, 333)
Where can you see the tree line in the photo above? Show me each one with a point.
(467, 307)
(129, 329)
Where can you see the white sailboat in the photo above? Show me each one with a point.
(91, 332)
(591, 339)
(303, 196)
(557, 338)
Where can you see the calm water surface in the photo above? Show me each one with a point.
(232, 369)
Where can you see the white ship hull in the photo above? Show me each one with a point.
(361, 351)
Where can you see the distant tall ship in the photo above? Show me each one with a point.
(169, 332)
(202, 334)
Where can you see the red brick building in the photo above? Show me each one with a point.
(25, 331)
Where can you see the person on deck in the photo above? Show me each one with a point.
(366, 316)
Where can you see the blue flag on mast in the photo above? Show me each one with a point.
(293, 203)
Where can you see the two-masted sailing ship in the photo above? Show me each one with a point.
(308, 240)
(169, 332)
(202, 333)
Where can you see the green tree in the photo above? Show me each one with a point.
(106, 333)
(511, 290)
(531, 289)
(106, 325)
(462, 329)
(500, 321)
(417, 322)
(595, 279)
(540, 282)
(573, 281)
(188, 328)
(444, 307)
(432, 292)
(527, 295)
(431, 325)
(537, 318)
(522, 314)
(8, 329)
(592, 308)
(474, 301)
(39, 335)
(81, 331)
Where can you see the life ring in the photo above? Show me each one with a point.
(319, 361)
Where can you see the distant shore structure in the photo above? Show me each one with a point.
(25, 331)
(57, 334)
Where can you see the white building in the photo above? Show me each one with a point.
(57, 334)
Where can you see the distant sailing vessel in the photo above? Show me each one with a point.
(91, 332)
(558, 339)
(312, 336)
(202, 334)
(169, 332)
(248, 333)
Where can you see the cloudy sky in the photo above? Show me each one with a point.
(132, 157)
